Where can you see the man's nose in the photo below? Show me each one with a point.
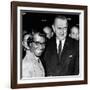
(61, 31)
(40, 46)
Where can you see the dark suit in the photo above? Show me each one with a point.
(68, 64)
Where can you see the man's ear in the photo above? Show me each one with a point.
(52, 34)
(53, 28)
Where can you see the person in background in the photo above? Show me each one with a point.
(25, 38)
(25, 46)
(62, 53)
(48, 31)
(31, 64)
(74, 33)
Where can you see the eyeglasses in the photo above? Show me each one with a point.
(39, 43)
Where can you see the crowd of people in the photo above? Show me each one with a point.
(51, 51)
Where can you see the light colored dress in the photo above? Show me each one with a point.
(32, 66)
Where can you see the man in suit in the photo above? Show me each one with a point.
(62, 53)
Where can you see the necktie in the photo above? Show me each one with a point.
(59, 49)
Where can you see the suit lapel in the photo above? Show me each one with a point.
(53, 50)
(66, 47)
(53, 46)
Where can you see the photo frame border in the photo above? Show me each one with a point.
(14, 5)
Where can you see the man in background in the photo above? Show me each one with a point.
(74, 33)
(48, 31)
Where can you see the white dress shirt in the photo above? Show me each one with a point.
(62, 44)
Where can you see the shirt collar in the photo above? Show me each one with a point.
(62, 41)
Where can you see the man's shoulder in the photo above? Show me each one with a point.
(51, 43)
(71, 40)
(52, 40)
(72, 43)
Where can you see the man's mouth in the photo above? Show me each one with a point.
(61, 34)
(40, 51)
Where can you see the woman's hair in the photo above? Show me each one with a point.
(35, 31)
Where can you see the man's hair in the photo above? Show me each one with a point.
(74, 27)
(48, 26)
(60, 17)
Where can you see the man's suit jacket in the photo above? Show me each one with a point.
(68, 64)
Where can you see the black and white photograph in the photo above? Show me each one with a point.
(49, 44)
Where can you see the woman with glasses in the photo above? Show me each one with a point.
(31, 64)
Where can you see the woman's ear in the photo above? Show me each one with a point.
(30, 44)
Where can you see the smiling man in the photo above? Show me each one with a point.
(31, 64)
(62, 54)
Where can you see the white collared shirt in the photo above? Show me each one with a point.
(57, 43)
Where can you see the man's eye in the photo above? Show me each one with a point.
(59, 28)
(36, 42)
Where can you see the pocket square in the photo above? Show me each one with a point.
(70, 56)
